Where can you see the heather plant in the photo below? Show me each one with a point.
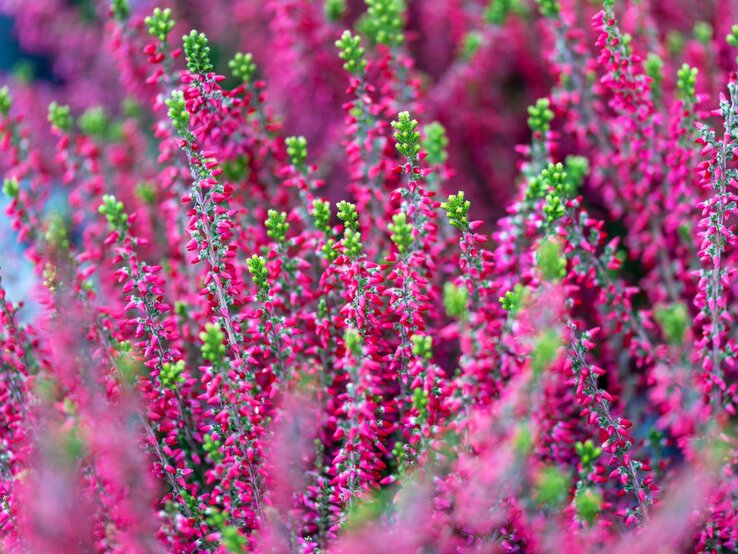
(393, 275)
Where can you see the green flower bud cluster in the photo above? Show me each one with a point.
(687, 82)
(120, 9)
(321, 212)
(435, 143)
(277, 226)
(297, 150)
(112, 209)
(60, 117)
(177, 111)
(197, 53)
(384, 21)
(455, 300)
(212, 339)
(513, 300)
(11, 187)
(422, 346)
(540, 116)
(334, 9)
(402, 232)
(160, 23)
(456, 209)
(258, 271)
(674, 321)
(5, 100)
(243, 67)
(408, 139)
(352, 53)
(549, 8)
(171, 374)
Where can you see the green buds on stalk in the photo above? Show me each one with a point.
(383, 22)
(177, 112)
(5, 101)
(435, 143)
(408, 139)
(540, 116)
(352, 53)
(277, 226)
(160, 23)
(513, 300)
(422, 346)
(297, 150)
(258, 271)
(60, 117)
(456, 210)
(402, 232)
(455, 299)
(687, 82)
(197, 52)
(243, 67)
(112, 209)
(348, 214)
(120, 9)
(212, 339)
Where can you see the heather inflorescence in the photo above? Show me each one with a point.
(369, 276)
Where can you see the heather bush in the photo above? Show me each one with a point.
(369, 276)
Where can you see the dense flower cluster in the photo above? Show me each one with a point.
(300, 299)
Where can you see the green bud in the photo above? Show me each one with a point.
(654, 67)
(178, 112)
(540, 116)
(732, 38)
(234, 541)
(471, 43)
(497, 12)
(587, 452)
(552, 487)
(160, 23)
(588, 504)
(553, 209)
(435, 143)
(146, 192)
(334, 9)
(408, 139)
(258, 271)
(513, 300)
(455, 299)
(422, 346)
(197, 53)
(212, 447)
(536, 188)
(213, 347)
(577, 168)
(687, 82)
(353, 341)
(674, 321)
(402, 232)
(243, 67)
(549, 8)
(674, 42)
(550, 262)
(545, 351)
(120, 9)
(351, 52)
(56, 232)
(93, 122)
(703, 32)
(5, 100)
(555, 177)
(322, 214)
(277, 226)
(348, 214)
(60, 117)
(384, 21)
(11, 187)
(171, 374)
(112, 209)
(297, 150)
(352, 243)
(456, 210)
(522, 440)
